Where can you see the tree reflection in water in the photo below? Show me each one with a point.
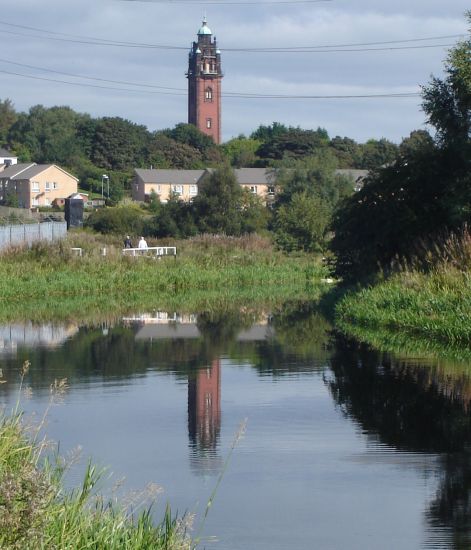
(416, 408)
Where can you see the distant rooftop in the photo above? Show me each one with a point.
(6, 153)
(176, 177)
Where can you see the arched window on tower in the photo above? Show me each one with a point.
(208, 94)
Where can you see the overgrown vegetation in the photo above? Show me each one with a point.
(36, 511)
(207, 263)
(424, 192)
(434, 303)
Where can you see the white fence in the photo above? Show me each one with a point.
(31, 232)
(151, 251)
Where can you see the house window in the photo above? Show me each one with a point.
(55, 185)
(35, 202)
(271, 189)
(208, 123)
(177, 189)
(156, 189)
(193, 189)
(35, 186)
(48, 185)
(208, 94)
(47, 202)
(253, 189)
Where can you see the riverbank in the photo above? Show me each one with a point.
(48, 272)
(36, 511)
(434, 306)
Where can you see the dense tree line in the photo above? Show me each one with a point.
(424, 193)
(90, 146)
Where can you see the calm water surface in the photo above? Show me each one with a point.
(345, 448)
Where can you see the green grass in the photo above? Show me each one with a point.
(47, 282)
(37, 513)
(434, 306)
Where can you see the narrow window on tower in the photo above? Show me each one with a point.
(208, 95)
(208, 123)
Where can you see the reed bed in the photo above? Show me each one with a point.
(37, 513)
(433, 302)
(53, 272)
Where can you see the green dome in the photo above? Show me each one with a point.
(204, 29)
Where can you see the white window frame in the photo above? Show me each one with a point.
(209, 123)
(48, 186)
(253, 189)
(178, 189)
(35, 201)
(193, 190)
(55, 185)
(35, 187)
(47, 202)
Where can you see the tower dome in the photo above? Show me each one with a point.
(204, 29)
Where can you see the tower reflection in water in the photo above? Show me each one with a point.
(204, 418)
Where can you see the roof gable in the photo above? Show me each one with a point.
(16, 169)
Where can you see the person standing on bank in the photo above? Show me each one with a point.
(127, 242)
(142, 243)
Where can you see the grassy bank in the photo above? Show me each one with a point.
(433, 305)
(36, 512)
(205, 264)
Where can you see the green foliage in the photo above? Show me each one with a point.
(347, 152)
(376, 153)
(39, 512)
(119, 144)
(165, 152)
(294, 143)
(241, 151)
(8, 117)
(121, 220)
(172, 219)
(425, 192)
(309, 193)
(218, 205)
(11, 199)
(266, 133)
(301, 224)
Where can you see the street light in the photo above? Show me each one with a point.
(103, 178)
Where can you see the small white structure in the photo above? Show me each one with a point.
(7, 158)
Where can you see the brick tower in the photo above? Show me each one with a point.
(204, 84)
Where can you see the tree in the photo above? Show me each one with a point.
(218, 205)
(8, 117)
(165, 152)
(122, 220)
(347, 151)
(376, 153)
(265, 133)
(241, 151)
(50, 135)
(295, 143)
(119, 144)
(302, 223)
(425, 192)
(309, 193)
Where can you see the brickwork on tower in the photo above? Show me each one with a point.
(204, 84)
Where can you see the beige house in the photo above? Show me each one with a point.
(36, 184)
(165, 182)
(185, 183)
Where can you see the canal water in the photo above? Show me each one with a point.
(344, 447)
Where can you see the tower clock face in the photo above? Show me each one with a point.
(204, 84)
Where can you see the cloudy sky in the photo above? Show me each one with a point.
(385, 48)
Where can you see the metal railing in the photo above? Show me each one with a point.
(158, 251)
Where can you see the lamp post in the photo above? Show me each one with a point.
(103, 178)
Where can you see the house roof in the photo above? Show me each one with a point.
(34, 170)
(5, 153)
(353, 173)
(254, 176)
(177, 177)
(16, 169)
